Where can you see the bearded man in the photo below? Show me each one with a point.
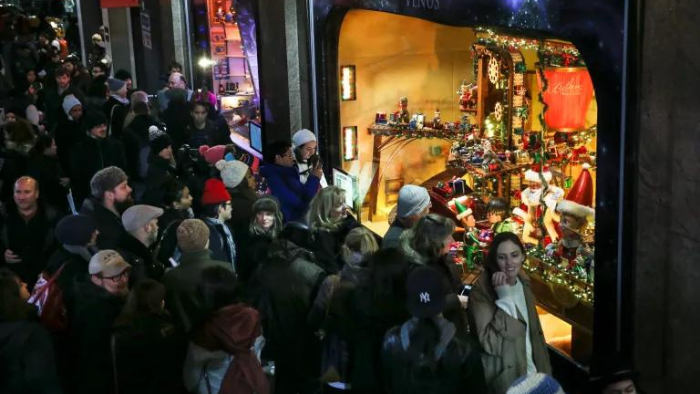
(111, 197)
(138, 241)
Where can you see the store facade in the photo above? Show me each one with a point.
(408, 92)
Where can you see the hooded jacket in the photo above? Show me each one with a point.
(226, 342)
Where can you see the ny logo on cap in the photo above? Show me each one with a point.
(425, 297)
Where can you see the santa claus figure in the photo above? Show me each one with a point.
(539, 200)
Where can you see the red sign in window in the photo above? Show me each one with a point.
(118, 3)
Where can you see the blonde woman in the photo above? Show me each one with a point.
(329, 222)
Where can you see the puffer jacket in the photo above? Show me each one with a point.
(459, 368)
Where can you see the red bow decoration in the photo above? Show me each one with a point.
(575, 153)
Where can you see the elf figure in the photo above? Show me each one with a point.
(537, 205)
(576, 213)
(496, 210)
(574, 219)
(472, 243)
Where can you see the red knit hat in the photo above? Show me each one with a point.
(215, 192)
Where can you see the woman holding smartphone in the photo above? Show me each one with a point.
(502, 314)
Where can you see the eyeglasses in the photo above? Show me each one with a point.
(117, 278)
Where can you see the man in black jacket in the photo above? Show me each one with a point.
(111, 196)
(94, 153)
(27, 234)
(98, 303)
(141, 225)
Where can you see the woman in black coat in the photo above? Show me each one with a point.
(27, 363)
(149, 350)
(329, 223)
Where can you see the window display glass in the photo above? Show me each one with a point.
(501, 130)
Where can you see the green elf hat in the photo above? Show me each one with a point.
(462, 211)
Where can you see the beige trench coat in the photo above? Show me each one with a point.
(503, 336)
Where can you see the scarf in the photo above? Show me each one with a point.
(234, 329)
(120, 99)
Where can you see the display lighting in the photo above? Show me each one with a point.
(205, 62)
(350, 143)
(347, 83)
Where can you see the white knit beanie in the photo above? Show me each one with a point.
(69, 102)
(303, 136)
(232, 172)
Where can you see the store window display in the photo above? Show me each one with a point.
(495, 124)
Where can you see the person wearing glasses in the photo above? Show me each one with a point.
(216, 211)
(284, 182)
(98, 303)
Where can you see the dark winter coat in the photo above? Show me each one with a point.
(149, 353)
(33, 240)
(91, 329)
(219, 245)
(458, 368)
(109, 224)
(242, 199)
(326, 245)
(181, 283)
(48, 171)
(365, 333)
(143, 264)
(210, 135)
(115, 113)
(90, 156)
(27, 362)
(74, 270)
(283, 289)
(251, 252)
(67, 134)
(135, 139)
(294, 197)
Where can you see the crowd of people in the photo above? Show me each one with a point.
(143, 252)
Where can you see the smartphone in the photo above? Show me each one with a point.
(466, 290)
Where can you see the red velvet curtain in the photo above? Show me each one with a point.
(568, 95)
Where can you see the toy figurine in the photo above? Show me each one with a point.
(467, 96)
(437, 124)
(490, 161)
(402, 116)
(473, 246)
(533, 199)
(496, 210)
(574, 219)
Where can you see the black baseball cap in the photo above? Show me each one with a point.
(426, 290)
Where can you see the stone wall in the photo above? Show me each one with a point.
(667, 288)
